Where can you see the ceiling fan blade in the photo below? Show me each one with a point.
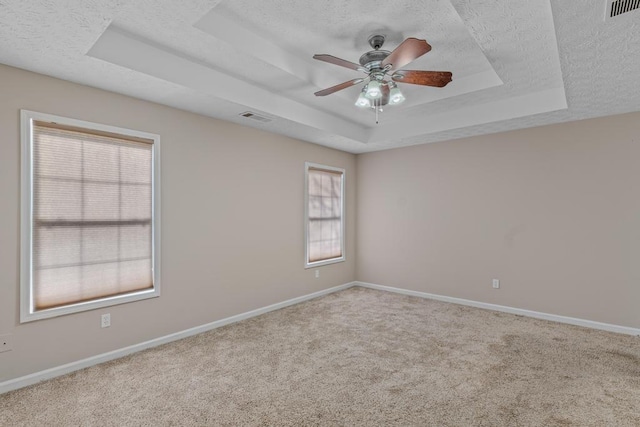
(385, 95)
(341, 62)
(425, 78)
(406, 52)
(336, 88)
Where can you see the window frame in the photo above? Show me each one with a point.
(27, 313)
(311, 165)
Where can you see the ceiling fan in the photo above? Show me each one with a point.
(383, 69)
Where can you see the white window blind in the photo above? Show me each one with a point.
(325, 240)
(92, 215)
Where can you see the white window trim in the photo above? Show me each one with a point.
(308, 264)
(27, 313)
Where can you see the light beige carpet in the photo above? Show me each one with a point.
(356, 358)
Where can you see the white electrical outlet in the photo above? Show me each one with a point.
(496, 284)
(317, 274)
(105, 320)
(6, 343)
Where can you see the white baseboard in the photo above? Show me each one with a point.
(57, 371)
(519, 311)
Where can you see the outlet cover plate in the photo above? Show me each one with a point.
(105, 320)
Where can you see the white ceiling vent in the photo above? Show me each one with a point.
(619, 7)
(258, 117)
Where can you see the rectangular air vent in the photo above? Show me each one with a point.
(259, 118)
(618, 7)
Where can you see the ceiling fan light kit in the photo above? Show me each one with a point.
(383, 70)
(373, 90)
(363, 101)
(395, 95)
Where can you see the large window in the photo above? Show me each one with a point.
(324, 214)
(90, 216)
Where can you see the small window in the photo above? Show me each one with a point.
(90, 216)
(324, 215)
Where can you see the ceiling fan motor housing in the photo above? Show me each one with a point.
(372, 60)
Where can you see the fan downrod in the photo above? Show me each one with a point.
(376, 41)
(371, 60)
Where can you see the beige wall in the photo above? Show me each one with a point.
(553, 212)
(232, 223)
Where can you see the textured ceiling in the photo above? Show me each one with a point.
(515, 64)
